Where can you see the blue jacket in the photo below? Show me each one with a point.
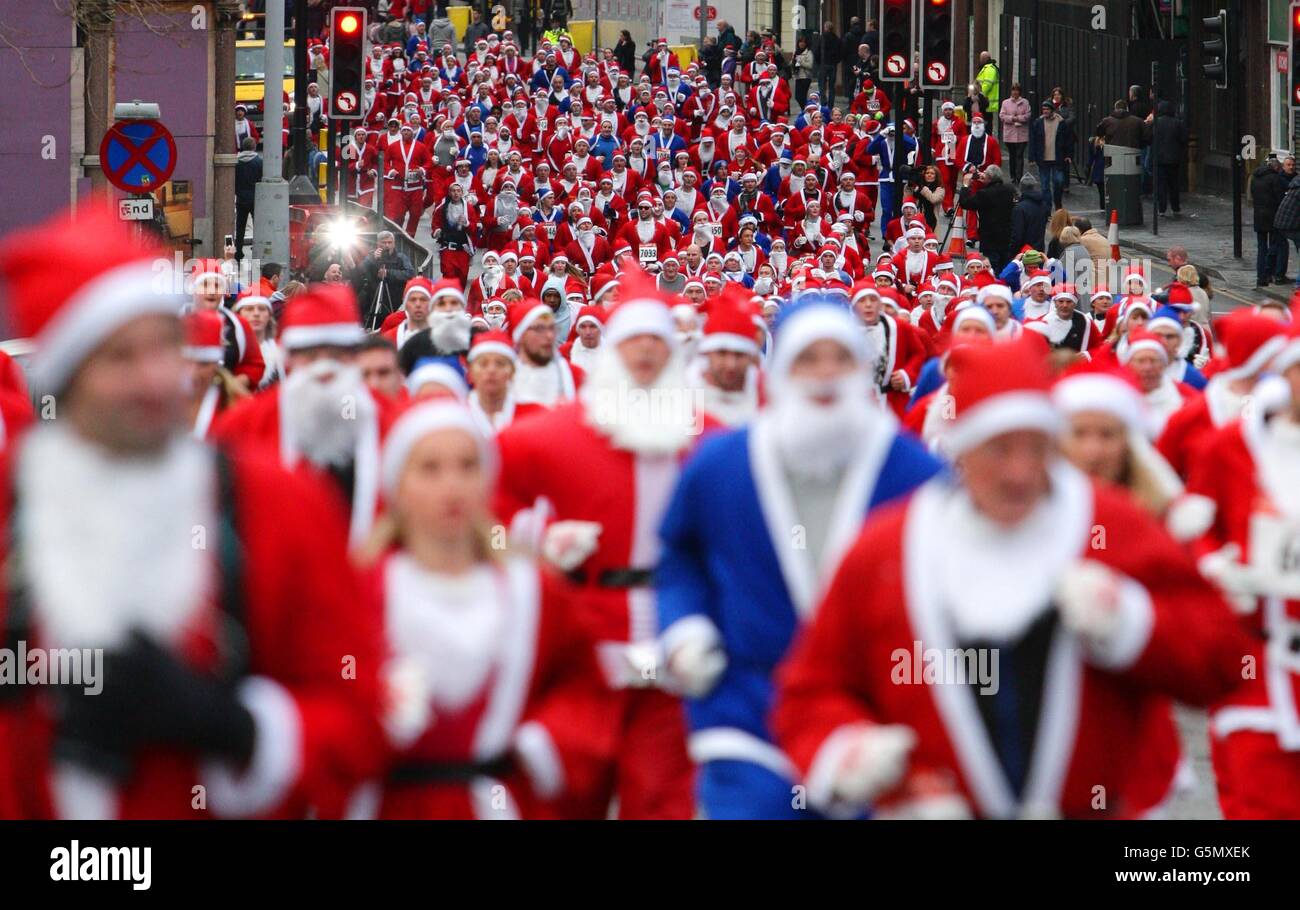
(879, 147)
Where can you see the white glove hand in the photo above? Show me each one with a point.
(408, 702)
(1238, 580)
(874, 763)
(1201, 359)
(1088, 594)
(567, 544)
(696, 665)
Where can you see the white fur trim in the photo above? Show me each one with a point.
(1136, 619)
(343, 334)
(1001, 414)
(206, 354)
(734, 744)
(820, 780)
(723, 341)
(529, 318)
(492, 347)
(277, 755)
(541, 760)
(641, 317)
(93, 313)
(1190, 517)
(1289, 356)
(439, 374)
(419, 422)
(806, 326)
(1103, 393)
(1144, 344)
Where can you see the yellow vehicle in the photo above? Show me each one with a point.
(250, 71)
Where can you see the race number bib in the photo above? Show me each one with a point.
(414, 181)
(647, 253)
(949, 143)
(717, 229)
(661, 154)
(1275, 553)
(550, 229)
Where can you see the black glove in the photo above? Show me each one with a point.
(150, 699)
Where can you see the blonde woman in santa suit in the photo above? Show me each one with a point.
(487, 676)
(1108, 436)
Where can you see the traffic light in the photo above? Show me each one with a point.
(896, 40)
(1214, 49)
(347, 61)
(1295, 54)
(936, 44)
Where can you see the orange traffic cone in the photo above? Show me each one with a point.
(1114, 235)
(957, 244)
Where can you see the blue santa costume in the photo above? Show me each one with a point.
(733, 581)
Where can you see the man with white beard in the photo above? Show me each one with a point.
(726, 374)
(322, 418)
(448, 331)
(629, 430)
(754, 532)
(189, 567)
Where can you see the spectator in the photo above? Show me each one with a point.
(1076, 261)
(381, 279)
(975, 102)
(929, 190)
(1286, 221)
(1060, 219)
(477, 29)
(1169, 136)
(828, 57)
(989, 80)
(727, 37)
(1122, 128)
(1097, 168)
(1267, 186)
(248, 171)
(1015, 116)
(441, 32)
(853, 37)
(625, 52)
(994, 202)
(711, 54)
(1029, 217)
(804, 64)
(1051, 143)
(1176, 258)
(1098, 247)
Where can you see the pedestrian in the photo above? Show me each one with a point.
(1051, 145)
(927, 185)
(828, 57)
(1097, 167)
(975, 102)
(625, 52)
(1098, 247)
(1123, 128)
(989, 81)
(994, 202)
(1169, 138)
(1029, 217)
(381, 279)
(477, 29)
(804, 71)
(1059, 221)
(248, 173)
(1267, 187)
(854, 36)
(1014, 114)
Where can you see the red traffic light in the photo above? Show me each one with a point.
(349, 23)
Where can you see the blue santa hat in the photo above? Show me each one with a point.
(1165, 317)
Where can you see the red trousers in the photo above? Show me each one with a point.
(404, 204)
(454, 264)
(643, 763)
(1256, 778)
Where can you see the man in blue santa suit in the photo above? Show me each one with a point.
(756, 527)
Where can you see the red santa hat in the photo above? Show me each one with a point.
(423, 420)
(417, 284)
(1107, 391)
(996, 390)
(205, 270)
(729, 328)
(1136, 275)
(495, 342)
(447, 287)
(323, 315)
(251, 298)
(523, 314)
(1139, 339)
(974, 313)
(1000, 291)
(1248, 342)
(803, 325)
(203, 337)
(591, 314)
(73, 281)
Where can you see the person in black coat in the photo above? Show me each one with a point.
(1267, 186)
(625, 53)
(1029, 217)
(1169, 141)
(1053, 163)
(828, 56)
(849, 52)
(995, 202)
(248, 172)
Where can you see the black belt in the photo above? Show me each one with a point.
(627, 577)
(450, 772)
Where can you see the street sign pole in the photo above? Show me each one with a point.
(302, 191)
(271, 206)
(1237, 85)
(704, 23)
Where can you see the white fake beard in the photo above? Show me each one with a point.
(816, 440)
(109, 542)
(450, 331)
(316, 411)
(495, 320)
(615, 407)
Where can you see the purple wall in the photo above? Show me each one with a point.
(171, 69)
(35, 102)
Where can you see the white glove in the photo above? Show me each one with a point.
(1201, 359)
(567, 544)
(875, 762)
(696, 664)
(408, 701)
(1088, 594)
(1238, 580)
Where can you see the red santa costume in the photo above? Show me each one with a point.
(604, 535)
(900, 348)
(1246, 482)
(490, 722)
(1105, 630)
(172, 617)
(1250, 341)
(1169, 396)
(945, 133)
(729, 328)
(547, 384)
(496, 342)
(202, 346)
(407, 165)
(322, 415)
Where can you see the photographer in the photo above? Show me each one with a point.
(380, 280)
